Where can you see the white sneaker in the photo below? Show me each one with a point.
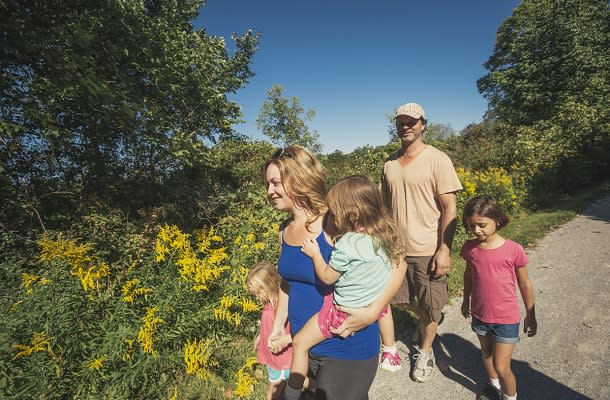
(390, 362)
(424, 364)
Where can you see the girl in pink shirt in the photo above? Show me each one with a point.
(263, 282)
(494, 267)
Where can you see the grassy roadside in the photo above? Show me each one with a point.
(526, 228)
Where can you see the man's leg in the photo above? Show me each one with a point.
(432, 295)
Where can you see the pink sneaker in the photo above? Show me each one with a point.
(390, 362)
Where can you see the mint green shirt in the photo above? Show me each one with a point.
(364, 271)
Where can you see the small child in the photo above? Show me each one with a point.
(263, 282)
(366, 246)
(494, 266)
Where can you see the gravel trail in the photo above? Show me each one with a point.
(569, 358)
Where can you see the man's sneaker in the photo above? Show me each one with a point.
(424, 363)
(490, 393)
(390, 362)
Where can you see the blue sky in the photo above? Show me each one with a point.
(354, 62)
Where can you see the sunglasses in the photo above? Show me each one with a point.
(409, 123)
(281, 152)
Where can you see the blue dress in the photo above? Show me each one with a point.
(306, 295)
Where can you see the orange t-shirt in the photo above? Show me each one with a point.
(411, 192)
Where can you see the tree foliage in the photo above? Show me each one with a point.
(549, 53)
(549, 80)
(283, 120)
(97, 92)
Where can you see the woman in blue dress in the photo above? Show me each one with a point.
(345, 365)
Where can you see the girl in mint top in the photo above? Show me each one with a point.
(367, 245)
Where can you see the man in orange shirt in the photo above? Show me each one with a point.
(419, 185)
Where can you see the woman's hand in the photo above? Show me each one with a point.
(279, 342)
(273, 340)
(358, 319)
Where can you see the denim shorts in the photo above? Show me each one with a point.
(502, 333)
(276, 375)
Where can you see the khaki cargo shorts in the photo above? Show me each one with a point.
(427, 294)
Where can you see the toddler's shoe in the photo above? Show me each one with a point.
(390, 362)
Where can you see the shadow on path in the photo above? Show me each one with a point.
(454, 353)
(598, 211)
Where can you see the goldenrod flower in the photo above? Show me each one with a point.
(198, 358)
(150, 324)
(249, 305)
(201, 268)
(97, 363)
(77, 257)
(40, 342)
(245, 380)
(130, 290)
(174, 396)
(129, 352)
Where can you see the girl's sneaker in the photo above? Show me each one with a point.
(390, 362)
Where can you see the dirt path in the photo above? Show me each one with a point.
(569, 359)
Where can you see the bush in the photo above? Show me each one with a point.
(114, 313)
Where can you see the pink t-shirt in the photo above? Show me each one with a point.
(277, 361)
(493, 298)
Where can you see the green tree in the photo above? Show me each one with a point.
(438, 132)
(283, 120)
(549, 53)
(95, 93)
(549, 80)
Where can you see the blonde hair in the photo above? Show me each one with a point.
(263, 276)
(303, 178)
(356, 203)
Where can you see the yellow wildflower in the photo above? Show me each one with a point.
(97, 363)
(130, 290)
(40, 342)
(245, 380)
(129, 352)
(150, 324)
(198, 358)
(174, 396)
(249, 305)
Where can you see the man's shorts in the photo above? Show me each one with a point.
(422, 290)
(502, 333)
(277, 375)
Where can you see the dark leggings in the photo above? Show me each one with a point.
(338, 379)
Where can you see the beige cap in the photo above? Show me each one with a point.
(412, 110)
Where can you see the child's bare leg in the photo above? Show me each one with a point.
(275, 390)
(386, 329)
(487, 355)
(390, 360)
(502, 356)
(308, 336)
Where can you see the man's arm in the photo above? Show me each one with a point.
(442, 258)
